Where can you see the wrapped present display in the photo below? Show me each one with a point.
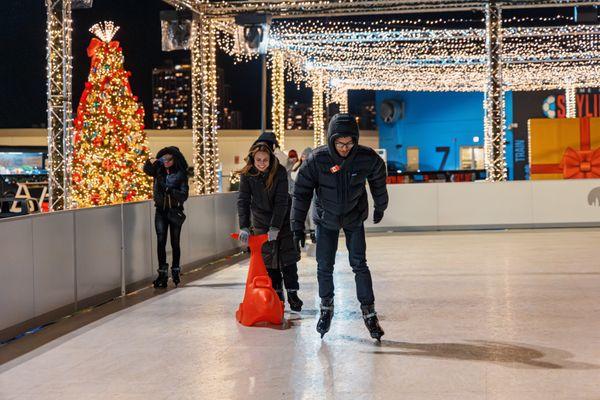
(564, 148)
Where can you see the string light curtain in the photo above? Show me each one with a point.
(59, 76)
(205, 153)
(495, 162)
(571, 96)
(318, 89)
(278, 92)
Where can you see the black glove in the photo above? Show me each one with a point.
(299, 240)
(377, 216)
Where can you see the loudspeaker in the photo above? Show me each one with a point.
(391, 111)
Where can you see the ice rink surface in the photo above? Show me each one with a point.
(468, 315)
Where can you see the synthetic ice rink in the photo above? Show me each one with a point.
(468, 315)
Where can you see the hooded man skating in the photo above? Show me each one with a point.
(336, 174)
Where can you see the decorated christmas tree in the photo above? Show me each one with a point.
(109, 145)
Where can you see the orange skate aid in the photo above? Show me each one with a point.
(261, 303)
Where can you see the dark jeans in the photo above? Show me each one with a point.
(287, 275)
(162, 225)
(327, 243)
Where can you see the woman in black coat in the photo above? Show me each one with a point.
(264, 208)
(170, 191)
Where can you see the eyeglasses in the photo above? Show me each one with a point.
(345, 146)
(167, 159)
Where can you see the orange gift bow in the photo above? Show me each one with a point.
(581, 164)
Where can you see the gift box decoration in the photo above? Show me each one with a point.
(564, 148)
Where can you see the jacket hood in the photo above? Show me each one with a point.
(306, 152)
(268, 138)
(180, 161)
(342, 125)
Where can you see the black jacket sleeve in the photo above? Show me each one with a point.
(306, 182)
(243, 203)
(281, 200)
(377, 183)
(150, 168)
(181, 192)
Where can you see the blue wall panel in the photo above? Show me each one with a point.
(431, 120)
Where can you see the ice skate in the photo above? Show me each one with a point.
(294, 300)
(280, 295)
(175, 276)
(372, 322)
(326, 315)
(161, 280)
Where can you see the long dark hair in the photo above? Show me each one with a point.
(250, 170)
(179, 161)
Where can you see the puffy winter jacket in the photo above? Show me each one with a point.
(260, 209)
(339, 183)
(169, 190)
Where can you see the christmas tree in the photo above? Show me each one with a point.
(109, 145)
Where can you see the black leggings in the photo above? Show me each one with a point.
(287, 275)
(162, 225)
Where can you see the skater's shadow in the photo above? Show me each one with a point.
(508, 354)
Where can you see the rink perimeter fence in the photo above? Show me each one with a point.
(57, 263)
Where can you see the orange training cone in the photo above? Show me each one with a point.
(261, 303)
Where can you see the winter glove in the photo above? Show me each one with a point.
(377, 216)
(299, 240)
(313, 237)
(244, 235)
(273, 233)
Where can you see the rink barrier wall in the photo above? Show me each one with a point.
(58, 263)
(485, 205)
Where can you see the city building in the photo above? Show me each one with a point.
(298, 116)
(367, 116)
(171, 96)
(172, 100)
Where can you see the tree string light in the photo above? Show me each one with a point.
(110, 145)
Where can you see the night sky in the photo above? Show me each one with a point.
(23, 55)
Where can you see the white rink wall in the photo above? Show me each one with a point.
(484, 205)
(57, 263)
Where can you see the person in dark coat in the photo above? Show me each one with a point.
(336, 174)
(264, 208)
(170, 191)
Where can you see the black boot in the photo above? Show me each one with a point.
(372, 322)
(294, 300)
(280, 294)
(163, 278)
(326, 316)
(175, 275)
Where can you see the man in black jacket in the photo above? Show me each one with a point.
(337, 174)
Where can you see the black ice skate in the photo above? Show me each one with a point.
(175, 276)
(294, 300)
(326, 315)
(280, 295)
(161, 281)
(372, 322)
